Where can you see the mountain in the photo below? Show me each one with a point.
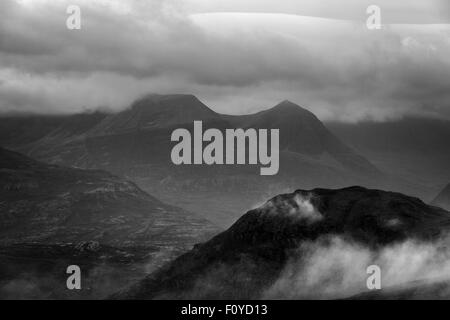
(53, 216)
(48, 203)
(303, 133)
(136, 143)
(411, 149)
(155, 111)
(20, 130)
(443, 199)
(39, 136)
(249, 258)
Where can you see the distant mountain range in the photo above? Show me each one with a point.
(411, 148)
(246, 260)
(135, 143)
(409, 156)
(302, 133)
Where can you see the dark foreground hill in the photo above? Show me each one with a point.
(52, 216)
(249, 258)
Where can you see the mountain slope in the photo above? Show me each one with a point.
(443, 199)
(20, 130)
(155, 111)
(303, 133)
(52, 217)
(247, 259)
(47, 203)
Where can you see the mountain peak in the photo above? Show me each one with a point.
(172, 103)
(303, 133)
(169, 101)
(155, 97)
(157, 111)
(289, 105)
(291, 111)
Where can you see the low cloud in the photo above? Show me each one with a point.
(299, 207)
(333, 268)
(236, 62)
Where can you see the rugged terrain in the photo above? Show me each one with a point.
(251, 258)
(54, 213)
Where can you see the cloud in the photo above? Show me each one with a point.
(299, 207)
(400, 11)
(234, 62)
(332, 268)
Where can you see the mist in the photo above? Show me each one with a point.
(335, 268)
(300, 207)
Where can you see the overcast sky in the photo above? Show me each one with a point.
(237, 56)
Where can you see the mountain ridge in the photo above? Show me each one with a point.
(155, 111)
(136, 143)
